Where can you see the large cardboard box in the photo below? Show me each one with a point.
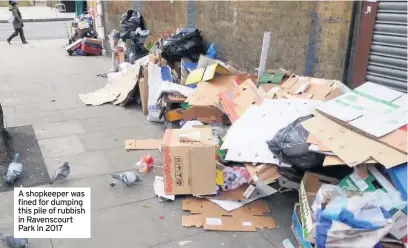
(309, 187)
(189, 167)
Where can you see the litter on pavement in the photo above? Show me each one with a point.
(234, 138)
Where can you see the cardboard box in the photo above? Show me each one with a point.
(207, 93)
(189, 167)
(347, 144)
(144, 90)
(297, 228)
(212, 217)
(205, 114)
(367, 104)
(237, 100)
(296, 87)
(309, 187)
(207, 69)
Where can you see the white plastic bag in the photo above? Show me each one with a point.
(351, 221)
(10, 18)
(155, 85)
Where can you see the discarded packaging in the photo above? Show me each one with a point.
(289, 145)
(158, 187)
(149, 144)
(346, 144)
(211, 217)
(309, 187)
(189, 168)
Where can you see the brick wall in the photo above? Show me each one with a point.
(309, 38)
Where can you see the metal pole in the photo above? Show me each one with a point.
(264, 53)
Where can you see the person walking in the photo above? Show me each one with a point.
(17, 22)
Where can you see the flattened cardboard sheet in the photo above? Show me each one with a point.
(210, 216)
(347, 144)
(117, 92)
(264, 173)
(370, 103)
(149, 144)
(205, 114)
(237, 100)
(260, 191)
(263, 121)
(334, 160)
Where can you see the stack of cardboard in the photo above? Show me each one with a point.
(364, 129)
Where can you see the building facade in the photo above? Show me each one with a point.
(349, 41)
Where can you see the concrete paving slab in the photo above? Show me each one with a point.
(171, 223)
(112, 228)
(109, 139)
(55, 147)
(121, 159)
(7, 210)
(56, 129)
(106, 123)
(86, 164)
(33, 118)
(202, 240)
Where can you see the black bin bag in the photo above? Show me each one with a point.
(289, 145)
(183, 45)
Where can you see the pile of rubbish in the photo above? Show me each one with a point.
(84, 40)
(234, 137)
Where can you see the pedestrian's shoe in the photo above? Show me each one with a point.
(8, 41)
(25, 42)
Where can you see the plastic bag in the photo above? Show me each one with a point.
(290, 146)
(156, 81)
(349, 221)
(183, 45)
(234, 177)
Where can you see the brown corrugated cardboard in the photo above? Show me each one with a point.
(149, 144)
(334, 160)
(212, 217)
(189, 168)
(347, 144)
(297, 87)
(205, 114)
(206, 93)
(236, 100)
(309, 187)
(265, 173)
(367, 104)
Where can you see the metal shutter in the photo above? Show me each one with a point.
(388, 54)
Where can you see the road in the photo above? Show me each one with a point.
(37, 30)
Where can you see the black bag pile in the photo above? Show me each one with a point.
(289, 145)
(133, 28)
(183, 45)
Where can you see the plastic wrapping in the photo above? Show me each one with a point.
(290, 146)
(183, 45)
(350, 221)
(234, 177)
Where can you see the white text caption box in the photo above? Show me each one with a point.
(52, 212)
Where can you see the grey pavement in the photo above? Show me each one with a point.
(39, 86)
(37, 14)
(37, 31)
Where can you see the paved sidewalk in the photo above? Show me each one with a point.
(37, 14)
(40, 84)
